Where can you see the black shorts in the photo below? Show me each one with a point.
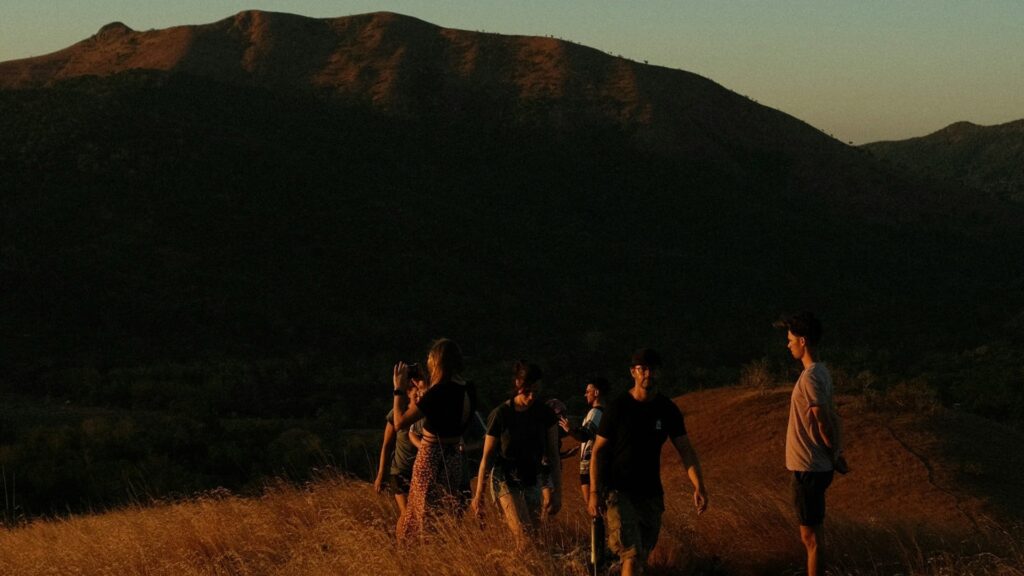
(400, 483)
(809, 496)
(584, 479)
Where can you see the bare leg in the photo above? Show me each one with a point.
(401, 500)
(540, 516)
(813, 538)
(630, 567)
(516, 516)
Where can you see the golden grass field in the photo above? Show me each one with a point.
(897, 512)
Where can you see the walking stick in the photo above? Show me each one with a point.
(596, 544)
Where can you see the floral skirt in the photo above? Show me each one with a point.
(438, 486)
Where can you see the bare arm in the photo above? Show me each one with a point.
(386, 448)
(596, 454)
(828, 428)
(404, 416)
(555, 461)
(415, 438)
(581, 433)
(490, 444)
(692, 466)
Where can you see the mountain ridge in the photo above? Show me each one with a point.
(393, 62)
(985, 158)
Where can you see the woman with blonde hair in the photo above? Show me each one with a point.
(447, 408)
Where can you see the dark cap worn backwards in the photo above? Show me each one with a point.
(645, 357)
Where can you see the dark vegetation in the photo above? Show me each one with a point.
(987, 158)
(205, 284)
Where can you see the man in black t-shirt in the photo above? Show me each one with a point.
(625, 471)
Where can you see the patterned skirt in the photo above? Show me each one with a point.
(438, 486)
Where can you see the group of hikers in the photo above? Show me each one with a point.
(434, 422)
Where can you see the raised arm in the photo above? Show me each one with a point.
(403, 416)
(692, 466)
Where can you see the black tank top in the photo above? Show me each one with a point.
(442, 407)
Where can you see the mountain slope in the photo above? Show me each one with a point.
(988, 158)
(337, 192)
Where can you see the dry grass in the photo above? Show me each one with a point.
(335, 526)
(338, 526)
(906, 508)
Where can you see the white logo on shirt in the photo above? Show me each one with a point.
(657, 424)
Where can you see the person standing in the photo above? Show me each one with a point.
(813, 443)
(446, 408)
(398, 450)
(586, 432)
(625, 469)
(520, 432)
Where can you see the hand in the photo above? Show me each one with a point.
(700, 500)
(840, 465)
(378, 484)
(554, 504)
(564, 423)
(594, 505)
(474, 505)
(400, 376)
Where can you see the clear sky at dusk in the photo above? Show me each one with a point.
(861, 70)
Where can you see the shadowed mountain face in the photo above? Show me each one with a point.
(988, 158)
(270, 183)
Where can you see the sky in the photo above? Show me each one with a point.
(860, 70)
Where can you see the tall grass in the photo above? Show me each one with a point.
(338, 526)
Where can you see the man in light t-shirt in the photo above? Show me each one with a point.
(596, 392)
(813, 443)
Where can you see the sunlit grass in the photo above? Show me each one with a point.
(339, 526)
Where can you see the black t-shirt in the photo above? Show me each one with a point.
(442, 407)
(522, 439)
(635, 432)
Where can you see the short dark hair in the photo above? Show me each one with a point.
(803, 324)
(600, 384)
(527, 373)
(645, 357)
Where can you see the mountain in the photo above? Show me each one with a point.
(988, 158)
(336, 192)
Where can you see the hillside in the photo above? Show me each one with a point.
(928, 494)
(988, 158)
(221, 236)
(253, 185)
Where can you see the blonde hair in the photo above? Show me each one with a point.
(444, 360)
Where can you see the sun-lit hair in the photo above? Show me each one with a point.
(444, 360)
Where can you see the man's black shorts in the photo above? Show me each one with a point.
(809, 496)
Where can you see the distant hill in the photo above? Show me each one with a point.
(989, 158)
(270, 181)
